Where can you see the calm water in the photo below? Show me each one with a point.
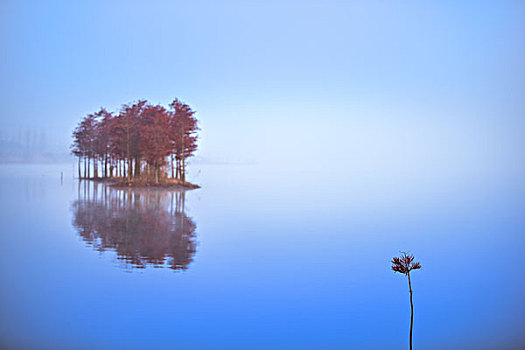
(260, 258)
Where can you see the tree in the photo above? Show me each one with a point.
(118, 141)
(102, 137)
(130, 116)
(77, 147)
(183, 128)
(154, 137)
(84, 137)
(404, 264)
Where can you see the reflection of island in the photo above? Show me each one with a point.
(142, 227)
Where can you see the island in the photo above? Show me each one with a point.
(142, 145)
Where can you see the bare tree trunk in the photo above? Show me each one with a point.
(183, 167)
(128, 153)
(411, 309)
(183, 170)
(105, 165)
(130, 169)
(172, 169)
(79, 173)
(137, 167)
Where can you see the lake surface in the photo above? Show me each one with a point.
(261, 258)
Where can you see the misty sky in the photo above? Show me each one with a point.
(385, 86)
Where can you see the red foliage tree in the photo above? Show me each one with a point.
(155, 138)
(183, 129)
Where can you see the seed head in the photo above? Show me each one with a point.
(404, 263)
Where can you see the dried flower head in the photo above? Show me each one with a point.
(405, 263)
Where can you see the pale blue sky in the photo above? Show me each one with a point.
(390, 81)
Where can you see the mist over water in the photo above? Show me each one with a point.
(249, 262)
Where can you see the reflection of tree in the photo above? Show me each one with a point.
(143, 227)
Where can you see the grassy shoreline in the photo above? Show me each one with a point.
(142, 183)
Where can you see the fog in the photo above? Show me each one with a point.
(370, 82)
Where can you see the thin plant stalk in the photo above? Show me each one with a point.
(411, 309)
(404, 264)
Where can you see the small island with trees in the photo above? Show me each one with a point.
(140, 146)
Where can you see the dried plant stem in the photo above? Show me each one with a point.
(404, 264)
(411, 309)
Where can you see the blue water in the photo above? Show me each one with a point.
(260, 258)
